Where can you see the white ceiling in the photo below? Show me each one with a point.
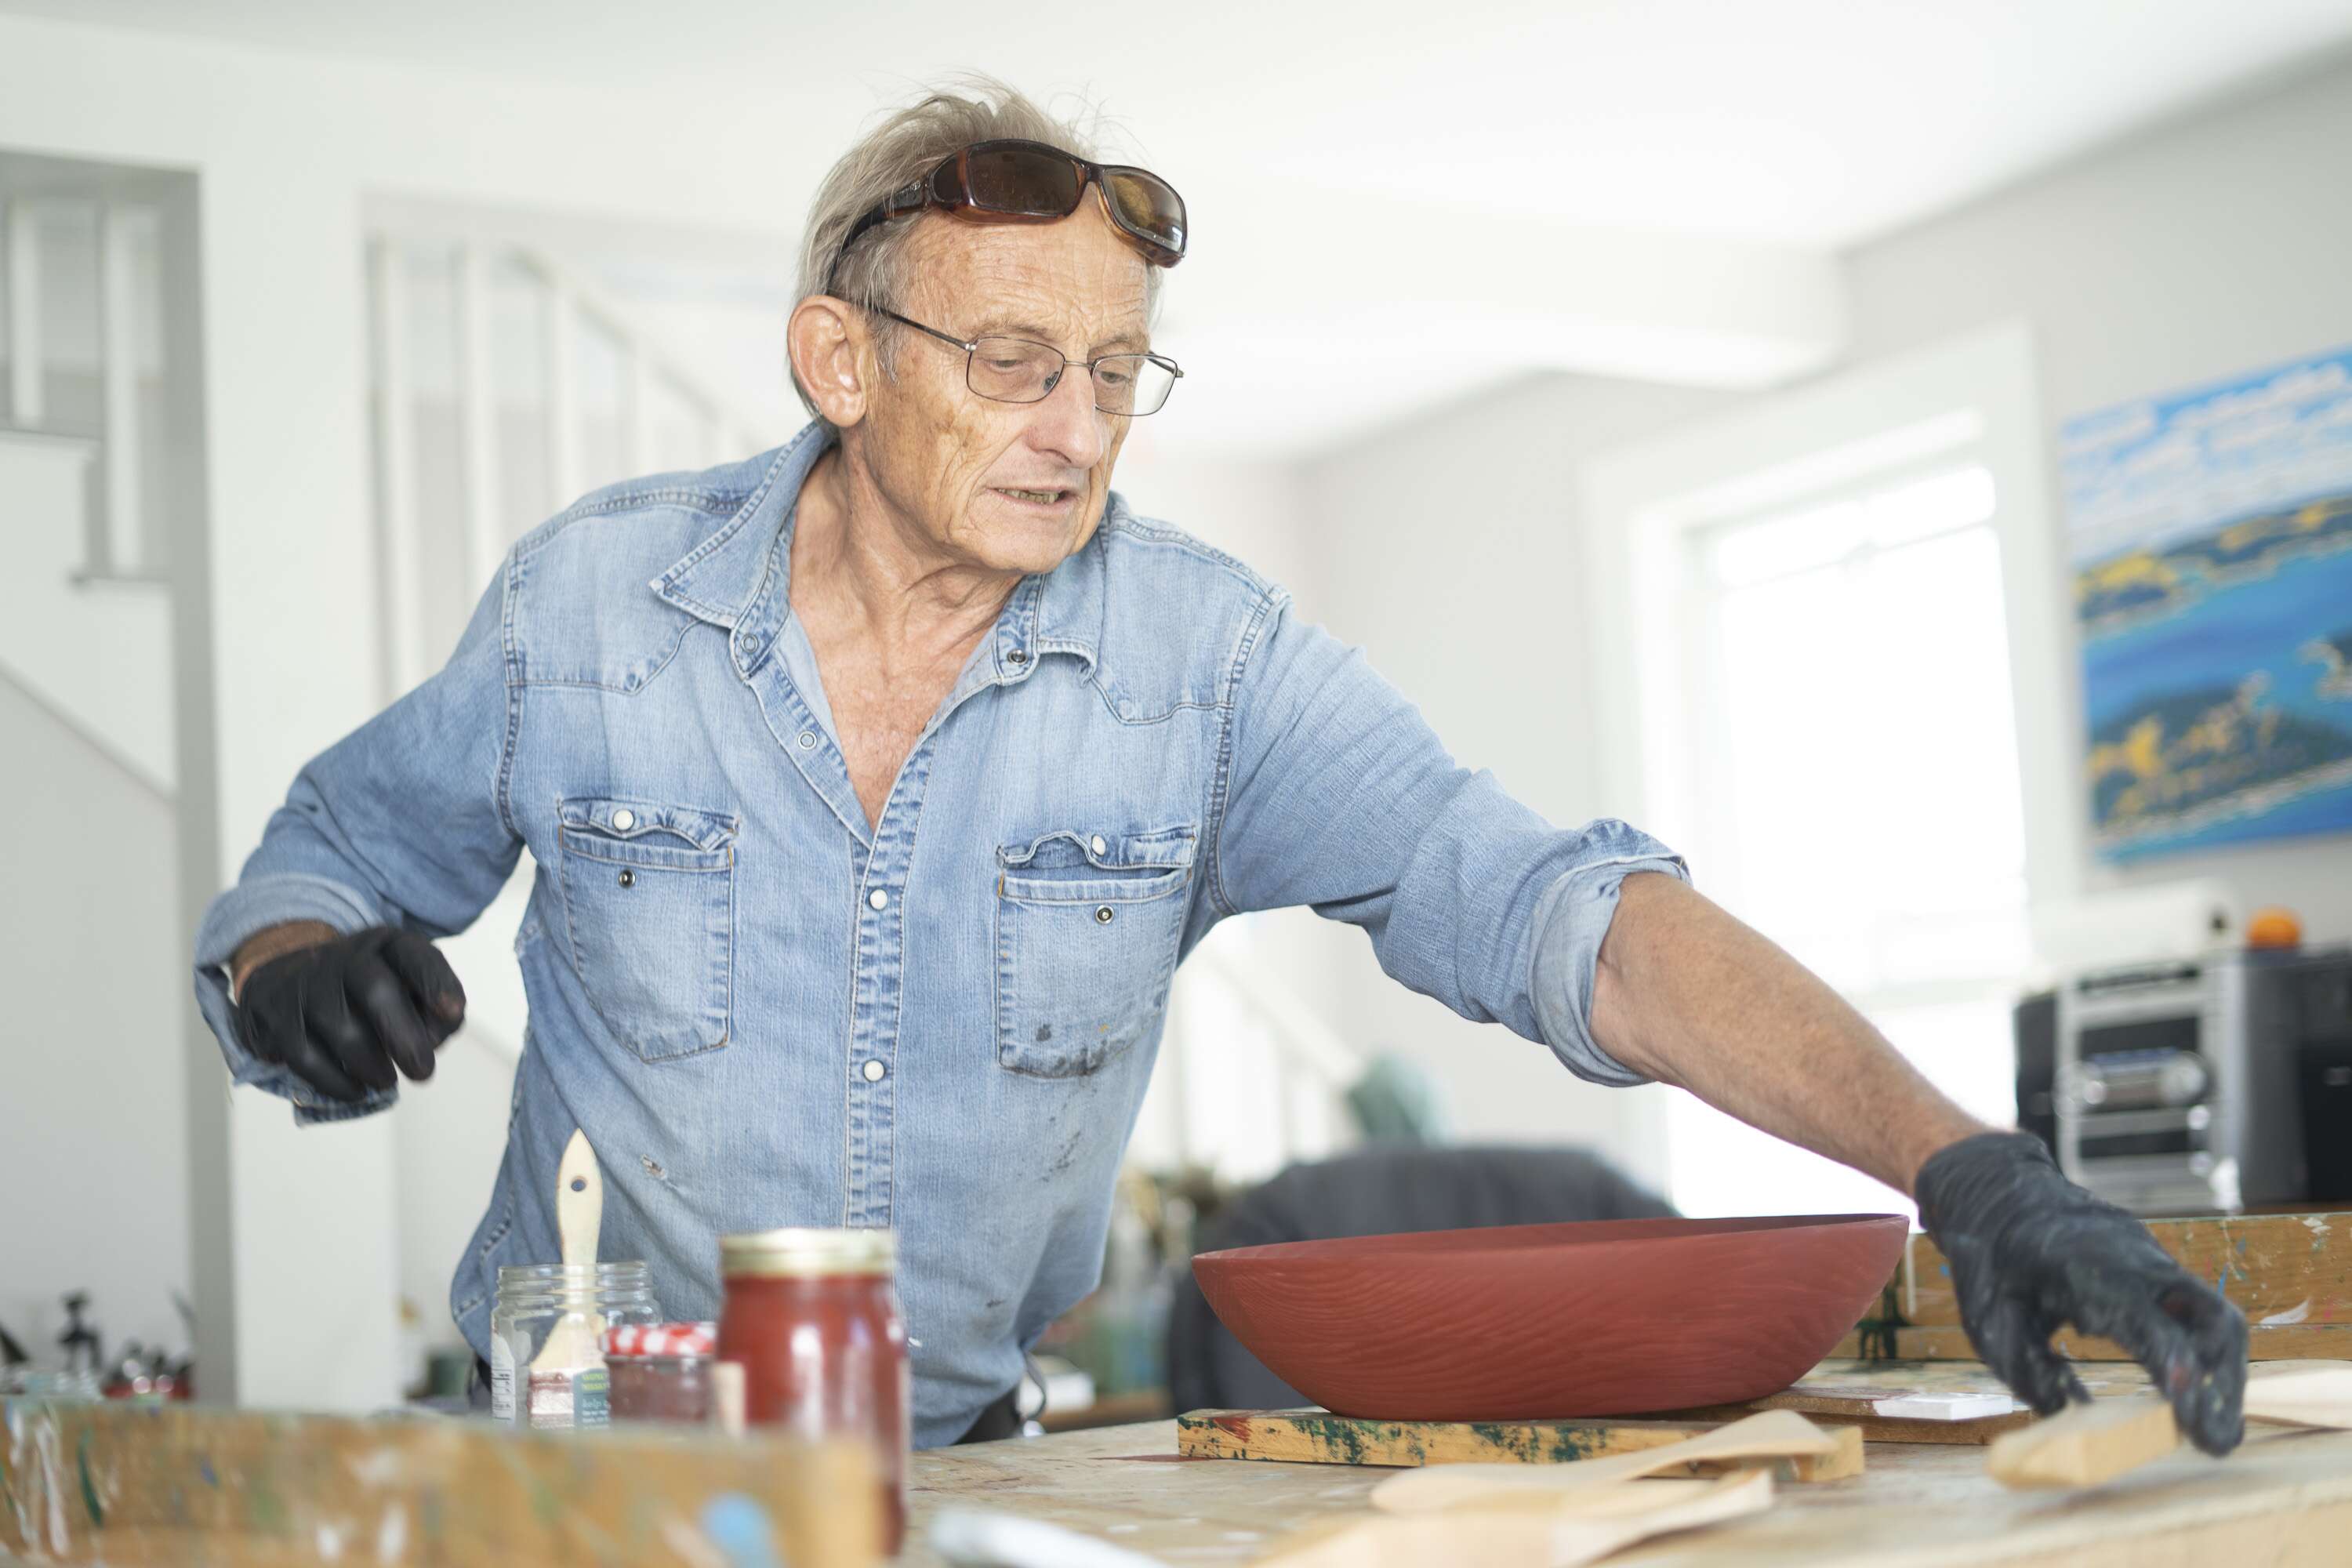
(1811, 124)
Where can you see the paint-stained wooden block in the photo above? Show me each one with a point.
(2291, 1274)
(2315, 1342)
(1319, 1438)
(124, 1485)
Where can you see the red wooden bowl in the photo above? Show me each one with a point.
(1538, 1322)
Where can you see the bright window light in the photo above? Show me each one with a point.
(1853, 716)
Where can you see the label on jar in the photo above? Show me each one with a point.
(502, 1368)
(592, 1397)
(561, 1401)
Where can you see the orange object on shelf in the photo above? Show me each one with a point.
(2273, 927)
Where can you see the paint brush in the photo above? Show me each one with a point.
(567, 1375)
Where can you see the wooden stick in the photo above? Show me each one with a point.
(1773, 1435)
(2300, 1393)
(2086, 1443)
(1539, 1531)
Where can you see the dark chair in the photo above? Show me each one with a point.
(1374, 1192)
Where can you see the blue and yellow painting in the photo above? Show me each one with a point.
(2211, 537)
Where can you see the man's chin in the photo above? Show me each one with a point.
(1016, 537)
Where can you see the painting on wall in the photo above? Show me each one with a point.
(2209, 533)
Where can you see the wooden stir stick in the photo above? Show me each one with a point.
(2088, 1444)
(1536, 1530)
(1775, 1434)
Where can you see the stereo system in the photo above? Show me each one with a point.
(2205, 1084)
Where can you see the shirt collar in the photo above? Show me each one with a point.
(739, 577)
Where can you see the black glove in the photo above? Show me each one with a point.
(344, 1014)
(2031, 1250)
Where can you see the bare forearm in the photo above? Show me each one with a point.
(1688, 995)
(274, 942)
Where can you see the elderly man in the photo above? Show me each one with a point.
(877, 785)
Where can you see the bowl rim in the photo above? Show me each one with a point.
(1513, 1238)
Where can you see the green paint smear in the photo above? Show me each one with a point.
(89, 1488)
(262, 1505)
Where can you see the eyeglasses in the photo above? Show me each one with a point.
(1029, 182)
(1015, 370)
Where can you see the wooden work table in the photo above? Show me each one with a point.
(2285, 1498)
(138, 1487)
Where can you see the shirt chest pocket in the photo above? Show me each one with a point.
(649, 908)
(1088, 926)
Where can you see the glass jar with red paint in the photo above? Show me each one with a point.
(813, 1318)
(662, 1372)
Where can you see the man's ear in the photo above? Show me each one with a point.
(830, 351)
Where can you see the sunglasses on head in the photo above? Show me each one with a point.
(1029, 182)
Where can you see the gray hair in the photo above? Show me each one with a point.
(908, 144)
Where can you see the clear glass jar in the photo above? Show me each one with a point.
(585, 1300)
(57, 1387)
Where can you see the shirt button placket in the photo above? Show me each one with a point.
(881, 997)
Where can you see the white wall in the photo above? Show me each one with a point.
(92, 1101)
(285, 147)
(2216, 244)
(1451, 549)
(2205, 247)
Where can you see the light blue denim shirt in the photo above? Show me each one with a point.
(765, 1011)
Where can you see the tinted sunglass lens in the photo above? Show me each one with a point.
(1016, 180)
(1147, 207)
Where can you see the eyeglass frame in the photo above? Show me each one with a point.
(1175, 371)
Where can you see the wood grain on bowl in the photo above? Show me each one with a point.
(1530, 1322)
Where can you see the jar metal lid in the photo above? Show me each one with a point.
(804, 1253)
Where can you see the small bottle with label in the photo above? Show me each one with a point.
(533, 1300)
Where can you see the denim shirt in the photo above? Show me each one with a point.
(765, 1011)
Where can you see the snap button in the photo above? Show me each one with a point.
(879, 898)
(808, 739)
(628, 877)
(625, 819)
(1102, 915)
(1018, 656)
(874, 1072)
(1101, 844)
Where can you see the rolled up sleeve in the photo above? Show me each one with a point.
(254, 905)
(1571, 922)
(404, 821)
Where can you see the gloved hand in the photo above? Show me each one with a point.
(2031, 1250)
(344, 1014)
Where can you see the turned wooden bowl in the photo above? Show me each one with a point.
(1538, 1322)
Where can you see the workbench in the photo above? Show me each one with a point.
(2285, 1498)
(85, 1485)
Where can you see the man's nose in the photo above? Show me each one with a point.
(1066, 422)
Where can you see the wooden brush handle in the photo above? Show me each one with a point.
(579, 1200)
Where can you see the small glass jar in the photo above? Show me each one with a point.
(661, 1371)
(585, 1299)
(813, 1318)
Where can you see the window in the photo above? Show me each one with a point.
(1851, 704)
(1826, 624)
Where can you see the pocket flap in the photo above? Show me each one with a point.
(625, 818)
(1161, 850)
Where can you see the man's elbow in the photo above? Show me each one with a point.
(1649, 903)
